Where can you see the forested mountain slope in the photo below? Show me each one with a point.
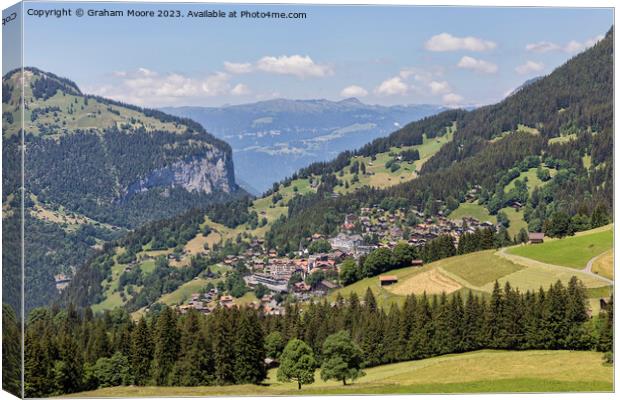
(562, 121)
(93, 169)
(112, 162)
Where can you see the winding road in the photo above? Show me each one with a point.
(528, 262)
(588, 268)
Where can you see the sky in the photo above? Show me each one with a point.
(386, 55)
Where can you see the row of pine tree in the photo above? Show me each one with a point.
(70, 350)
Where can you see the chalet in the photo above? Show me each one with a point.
(387, 280)
(338, 255)
(604, 302)
(301, 287)
(227, 301)
(536, 237)
(517, 205)
(326, 286)
(62, 281)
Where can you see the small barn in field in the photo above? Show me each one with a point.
(536, 237)
(387, 280)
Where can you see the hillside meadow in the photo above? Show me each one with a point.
(573, 252)
(475, 372)
(478, 272)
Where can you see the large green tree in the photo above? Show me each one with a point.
(342, 358)
(297, 363)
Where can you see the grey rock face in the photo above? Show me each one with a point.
(208, 173)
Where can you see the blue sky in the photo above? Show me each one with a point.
(383, 55)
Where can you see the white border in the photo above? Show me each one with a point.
(483, 3)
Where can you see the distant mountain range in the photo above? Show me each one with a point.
(272, 139)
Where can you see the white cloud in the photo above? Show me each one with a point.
(447, 42)
(529, 67)
(240, 90)
(572, 46)
(452, 99)
(477, 65)
(439, 87)
(392, 86)
(146, 72)
(216, 84)
(149, 88)
(354, 91)
(237, 68)
(296, 65)
(592, 41)
(542, 47)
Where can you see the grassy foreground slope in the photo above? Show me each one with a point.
(604, 264)
(573, 252)
(474, 271)
(475, 372)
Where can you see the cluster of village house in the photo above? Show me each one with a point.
(207, 302)
(387, 227)
(275, 272)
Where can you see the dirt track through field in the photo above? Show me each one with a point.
(431, 282)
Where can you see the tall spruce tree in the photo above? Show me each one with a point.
(222, 332)
(141, 353)
(194, 366)
(166, 339)
(11, 351)
(249, 366)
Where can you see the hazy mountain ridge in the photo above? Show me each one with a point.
(272, 139)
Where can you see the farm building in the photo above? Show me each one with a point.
(388, 280)
(326, 286)
(417, 263)
(536, 237)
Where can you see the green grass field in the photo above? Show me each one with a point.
(587, 161)
(94, 114)
(532, 179)
(563, 139)
(475, 271)
(473, 210)
(383, 296)
(516, 221)
(573, 252)
(476, 372)
(377, 175)
(537, 275)
(479, 269)
(481, 213)
(604, 264)
(184, 292)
